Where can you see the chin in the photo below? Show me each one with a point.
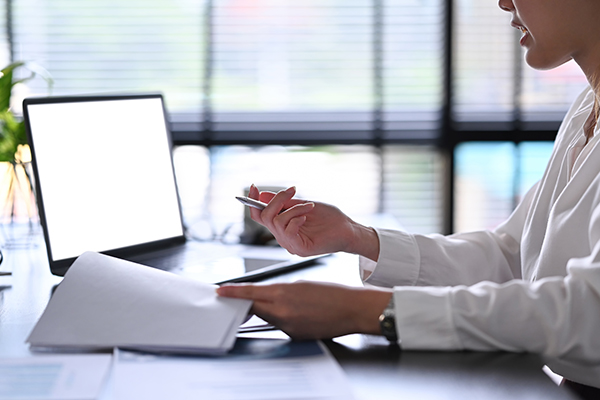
(541, 62)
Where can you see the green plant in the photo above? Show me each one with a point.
(16, 186)
(12, 128)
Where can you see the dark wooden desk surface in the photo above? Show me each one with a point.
(375, 369)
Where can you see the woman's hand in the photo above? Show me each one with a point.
(310, 228)
(309, 310)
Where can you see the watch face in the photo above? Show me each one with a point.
(387, 322)
(388, 327)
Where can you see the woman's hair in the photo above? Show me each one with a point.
(591, 126)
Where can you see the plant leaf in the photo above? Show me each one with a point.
(12, 130)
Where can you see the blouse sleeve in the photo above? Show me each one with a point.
(462, 259)
(556, 317)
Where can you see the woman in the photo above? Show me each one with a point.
(532, 284)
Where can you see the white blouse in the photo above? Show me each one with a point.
(530, 285)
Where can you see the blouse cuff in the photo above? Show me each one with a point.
(424, 318)
(398, 263)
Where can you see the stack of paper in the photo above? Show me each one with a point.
(105, 302)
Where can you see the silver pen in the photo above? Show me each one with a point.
(247, 201)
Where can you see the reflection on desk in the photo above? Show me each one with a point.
(375, 369)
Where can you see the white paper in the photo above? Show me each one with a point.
(105, 302)
(66, 377)
(272, 374)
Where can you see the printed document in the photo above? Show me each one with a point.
(256, 369)
(66, 377)
(105, 302)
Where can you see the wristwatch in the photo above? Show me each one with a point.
(387, 322)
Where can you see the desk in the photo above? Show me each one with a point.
(375, 370)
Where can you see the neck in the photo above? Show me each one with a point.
(588, 59)
(592, 74)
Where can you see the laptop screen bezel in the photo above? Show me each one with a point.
(60, 266)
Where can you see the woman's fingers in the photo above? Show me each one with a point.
(293, 227)
(281, 221)
(266, 197)
(284, 216)
(254, 193)
(277, 202)
(246, 291)
(276, 205)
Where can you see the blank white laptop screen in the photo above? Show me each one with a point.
(105, 173)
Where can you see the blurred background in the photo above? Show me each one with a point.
(419, 110)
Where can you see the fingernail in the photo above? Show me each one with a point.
(222, 290)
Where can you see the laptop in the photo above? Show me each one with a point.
(105, 182)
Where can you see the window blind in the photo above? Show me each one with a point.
(484, 60)
(413, 187)
(100, 46)
(286, 65)
(283, 71)
(252, 71)
(412, 71)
